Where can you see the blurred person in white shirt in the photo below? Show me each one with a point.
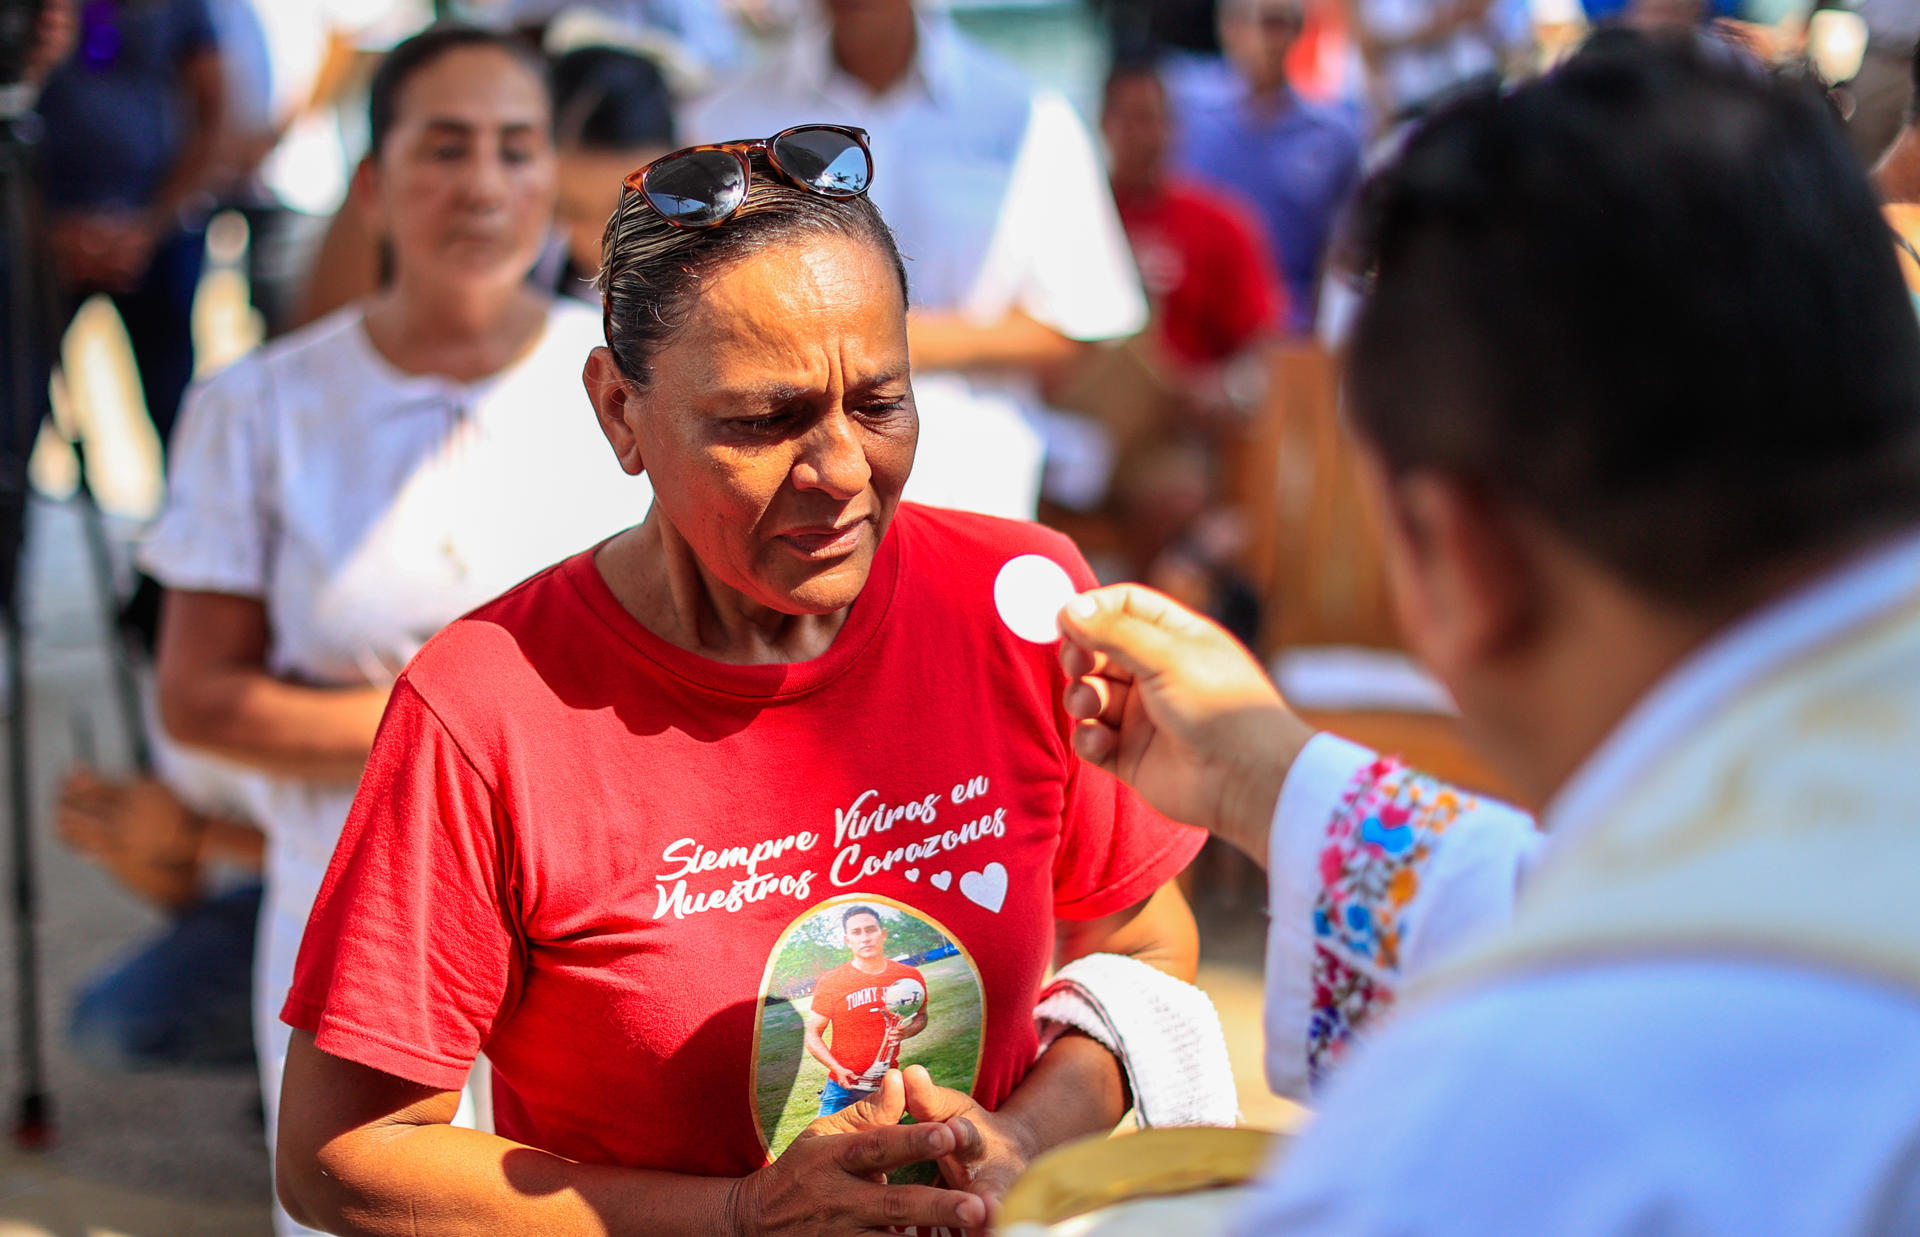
(1015, 253)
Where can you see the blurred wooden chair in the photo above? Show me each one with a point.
(1314, 555)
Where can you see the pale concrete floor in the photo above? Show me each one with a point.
(180, 1155)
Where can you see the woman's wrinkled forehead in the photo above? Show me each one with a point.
(793, 321)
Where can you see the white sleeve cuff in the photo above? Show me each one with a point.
(1309, 799)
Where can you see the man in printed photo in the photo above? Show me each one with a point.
(871, 1003)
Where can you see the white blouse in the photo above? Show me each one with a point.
(367, 507)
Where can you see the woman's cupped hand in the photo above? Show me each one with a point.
(833, 1178)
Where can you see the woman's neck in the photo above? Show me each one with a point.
(657, 576)
(461, 335)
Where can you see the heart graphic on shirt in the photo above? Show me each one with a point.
(912, 874)
(987, 887)
(941, 880)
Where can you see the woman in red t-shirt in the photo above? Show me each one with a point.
(614, 819)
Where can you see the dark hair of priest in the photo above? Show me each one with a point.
(1913, 98)
(1651, 297)
(410, 56)
(652, 270)
(608, 99)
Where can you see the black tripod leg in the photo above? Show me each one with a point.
(125, 683)
(34, 1128)
(20, 417)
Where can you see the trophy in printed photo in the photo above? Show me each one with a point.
(902, 1000)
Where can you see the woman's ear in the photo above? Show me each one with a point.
(615, 402)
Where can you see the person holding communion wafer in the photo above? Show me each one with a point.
(613, 819)
(1675, 590)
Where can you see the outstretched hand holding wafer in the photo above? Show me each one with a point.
(1174, 706)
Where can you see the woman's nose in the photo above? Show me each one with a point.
(833, 458)
(487, 185)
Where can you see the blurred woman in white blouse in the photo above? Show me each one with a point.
(340, 495)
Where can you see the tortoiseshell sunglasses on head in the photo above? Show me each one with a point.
(704, 186)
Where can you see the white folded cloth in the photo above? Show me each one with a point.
(1166, 1034)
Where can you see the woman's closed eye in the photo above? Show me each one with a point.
(795, 419)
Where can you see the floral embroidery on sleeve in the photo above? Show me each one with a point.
(1378, 847)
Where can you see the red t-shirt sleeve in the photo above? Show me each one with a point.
(1114, 849)
(410, 954)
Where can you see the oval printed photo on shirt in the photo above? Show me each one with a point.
(854, 987)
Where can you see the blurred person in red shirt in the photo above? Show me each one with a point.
(1215, 296)
(1207, 274)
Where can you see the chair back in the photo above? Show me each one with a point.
(1313, 550)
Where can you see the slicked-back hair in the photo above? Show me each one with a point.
(1649, 296)
(651, 272)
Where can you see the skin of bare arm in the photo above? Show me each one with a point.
(940, 340)
(362, 1152)
(216, 695)
(147, 839)
(817, 1046)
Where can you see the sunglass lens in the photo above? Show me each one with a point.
(825, 160)
(698, 188)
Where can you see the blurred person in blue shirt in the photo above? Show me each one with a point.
(134, 124)
(1660, 12)
(1244, 128)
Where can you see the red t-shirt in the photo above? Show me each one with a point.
(854, 1004)
(1206, 271)
(599, 857)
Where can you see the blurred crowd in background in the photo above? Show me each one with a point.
(1230, 134)
(1108, 245)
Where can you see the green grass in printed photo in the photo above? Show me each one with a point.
(789, 1100)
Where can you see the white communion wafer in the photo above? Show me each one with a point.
(1029, 592)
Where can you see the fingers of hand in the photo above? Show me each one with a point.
(887, 1105)
(1096, 744)
(1078, 660)
(927, 1100)
(882, 1109)
(881, 1150)
(1139, 632)
(969, 1144)
(900, 1206)
(1087, 698)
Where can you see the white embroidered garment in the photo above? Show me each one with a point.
(1712, 1082)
